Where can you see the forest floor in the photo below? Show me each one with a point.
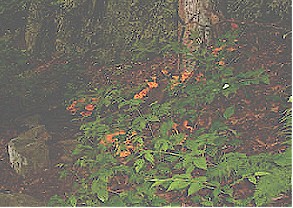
(256, 117)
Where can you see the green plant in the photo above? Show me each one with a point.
(133, 153)
(271, 174)
(211, 75)
(286, 121)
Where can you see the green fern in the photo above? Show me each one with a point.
(271, 174)
(286, 121)
(229, 164)
(271, 185)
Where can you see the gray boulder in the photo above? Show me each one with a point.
(29, 152)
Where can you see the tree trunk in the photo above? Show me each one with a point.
(195, 16)
(33, 26)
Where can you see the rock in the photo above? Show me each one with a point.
(19, 200)
(29, 152)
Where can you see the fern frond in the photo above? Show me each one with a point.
(286, 121)
(230, 164)
(270, 186)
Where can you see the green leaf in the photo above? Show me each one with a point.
(187, 161)
(261, 173)
(200, 162)
(149, 157)
(139, 123)
(139, 165)
(157, 183)
(100, 188)
(252, 179)
(165, 127)
(284, 159)
(207, 203)
(178, 185)
(194, 187)
(265, 79)
(181, 176)
(229, 112)
(72, 200)
(176, 138)
(153, 118)
(163, 145)
(123, 103)
(115, 201)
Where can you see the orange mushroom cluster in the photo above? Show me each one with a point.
(83, 106)
(177, 79)
(72, 108)
(221, 63)
(110, 139)
(185, 75)
(216, 51)
(183, 126)
(143, 93)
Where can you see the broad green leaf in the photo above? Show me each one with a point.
(261, 173)
(153, 118)
(181, 176)
(103, 195)
(178, 185)
(72, 201)
(139, 123)
(107, 102)
(115, 201)
(194, 187)
(177, 138)
(187, 161)
(139, 164)
(252, 179)
(284, 159)
(207, 203)
(229, 112)
(165, 127)
(190, 169)
(163, 145)
(149, 157)
(265, 79)
(95, 186)
(200, 162)
(123, 103)
(157, 183)
(201, 179)
(100, 188)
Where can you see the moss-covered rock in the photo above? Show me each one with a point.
(29, 152)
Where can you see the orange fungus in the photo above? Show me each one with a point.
(89, 107)
(152, 84)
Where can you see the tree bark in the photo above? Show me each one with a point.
(195, 16)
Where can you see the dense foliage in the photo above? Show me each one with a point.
(133, 151)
